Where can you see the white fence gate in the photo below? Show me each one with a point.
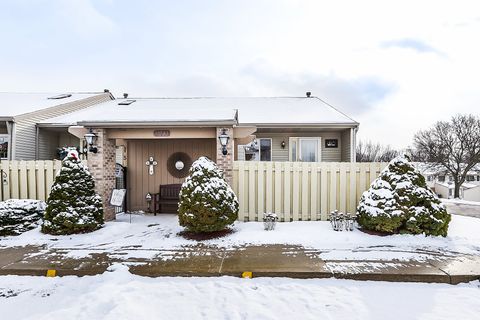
(300, 190)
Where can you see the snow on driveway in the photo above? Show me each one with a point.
(120, 295)
(146, 234)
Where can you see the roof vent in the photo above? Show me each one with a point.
(106, 90)
(125, 95)
(126, 102)
(308, 94)
(60, 96)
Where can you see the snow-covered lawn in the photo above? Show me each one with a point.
(146, 234)
(120, 295)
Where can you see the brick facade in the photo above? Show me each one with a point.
(102, 168)
(225, 162)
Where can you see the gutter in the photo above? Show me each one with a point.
(334, 125)
(129, 124)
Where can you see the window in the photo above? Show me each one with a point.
(429, 178)
(4, 140)
(126, 102)
(470, 178)
(265, 149)
(60, 96)
(258, 150)
(441, 178)
(305, 149)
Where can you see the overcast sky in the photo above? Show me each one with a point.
(394, 66)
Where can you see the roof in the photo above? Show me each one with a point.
(263, 111)
(15, 103)
(451, 185)
(427, 168)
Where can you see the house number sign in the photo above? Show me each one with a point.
(150, 163)
(161, 133)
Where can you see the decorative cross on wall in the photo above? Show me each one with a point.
(150, 163)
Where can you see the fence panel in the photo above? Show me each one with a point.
(300, 191)
(27, 179)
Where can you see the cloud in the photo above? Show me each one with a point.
(84, 18)
(413, 44)
(353, 96)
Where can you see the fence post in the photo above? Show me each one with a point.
(286, 191)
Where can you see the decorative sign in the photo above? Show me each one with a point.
(161, 133)
(331, 143)
(117, 197)
(150, 163)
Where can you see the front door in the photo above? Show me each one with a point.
(308, 149)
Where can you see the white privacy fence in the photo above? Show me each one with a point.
(300, 190)
(27, 179)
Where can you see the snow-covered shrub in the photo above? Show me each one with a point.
(399, 201)
(18, 216)
(73, 206)
(207, 202)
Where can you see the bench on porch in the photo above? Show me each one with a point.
(168, 195)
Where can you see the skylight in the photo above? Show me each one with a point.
(126, 102)
(61, 96)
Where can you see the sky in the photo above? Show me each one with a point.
(394, 66)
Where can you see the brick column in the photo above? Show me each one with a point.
(225, 162)
(102, 168)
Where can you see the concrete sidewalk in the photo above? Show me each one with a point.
(262, 261)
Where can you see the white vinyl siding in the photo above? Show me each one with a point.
(25, 127)
(282, 154)
(346, 145)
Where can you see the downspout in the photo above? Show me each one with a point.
(353, 144)
(11, 129)
(37, 134)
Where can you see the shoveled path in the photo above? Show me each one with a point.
(262, 261)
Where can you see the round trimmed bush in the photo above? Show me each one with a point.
(207, 202)
(18, 216)
(399, 201)
(73, 206)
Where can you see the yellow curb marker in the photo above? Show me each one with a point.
(247, 274)
(51, 273)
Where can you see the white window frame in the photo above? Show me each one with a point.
(297, 142)
(260, 149)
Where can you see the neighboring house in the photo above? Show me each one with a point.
(20, 138)
(441, 182)
(151, 135)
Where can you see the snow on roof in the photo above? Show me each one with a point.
(256, 111)
(451, 185)
(15, 103)
(437, 169)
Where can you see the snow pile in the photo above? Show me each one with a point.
(73, 206)
(207, 202)
(399, 201)
(18, 216)
(118, 295)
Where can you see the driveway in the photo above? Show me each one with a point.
(463, 209)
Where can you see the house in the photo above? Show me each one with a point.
(158, 138)
(21, 139)
(468, 191)
(442, 183)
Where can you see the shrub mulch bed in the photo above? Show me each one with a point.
(376, 233)
(205, 235)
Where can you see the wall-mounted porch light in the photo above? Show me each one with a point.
(283, 144)
(223, 137)
(91, 138)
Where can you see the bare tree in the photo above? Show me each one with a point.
(374, 152)
(454, 144)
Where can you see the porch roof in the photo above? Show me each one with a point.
(260, 112)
